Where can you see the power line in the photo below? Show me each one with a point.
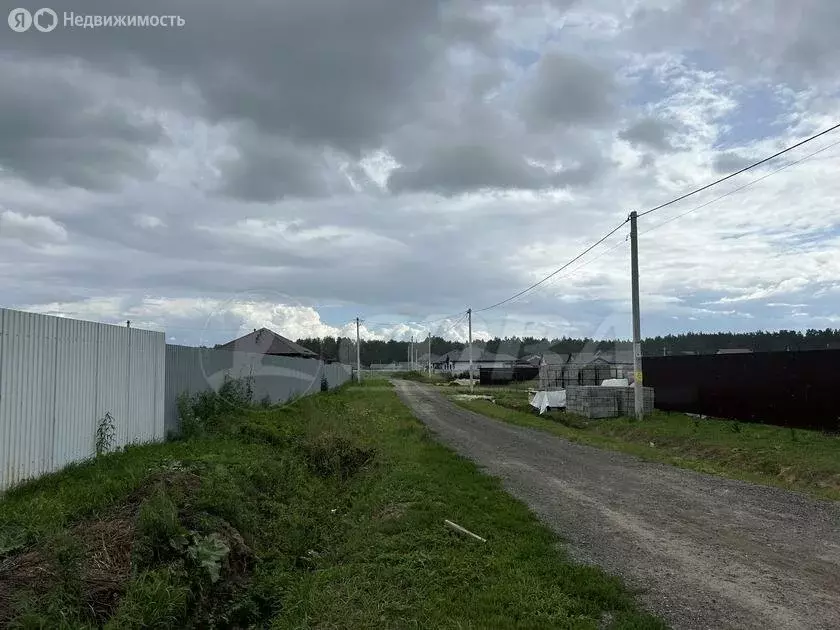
(460, 320)
(554, 273)
(701, 206)
(740, 188)
(743, 170)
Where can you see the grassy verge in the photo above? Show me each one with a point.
(325, 513)
(421, 377)
(807, 461)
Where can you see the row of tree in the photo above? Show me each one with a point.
(392, 351)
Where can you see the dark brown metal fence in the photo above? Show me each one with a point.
(796, 389)
(503, 376)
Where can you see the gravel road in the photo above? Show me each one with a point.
(703, 552)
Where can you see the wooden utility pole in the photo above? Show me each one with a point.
(638, 388)
(358, 354)
(469, 315)
(430, 355)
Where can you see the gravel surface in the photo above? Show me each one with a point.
(702, 551)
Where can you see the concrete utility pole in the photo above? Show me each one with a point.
(430, 354)
(358, 354)
(469, 315)
(638, 391)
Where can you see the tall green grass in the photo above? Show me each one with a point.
(325, 513)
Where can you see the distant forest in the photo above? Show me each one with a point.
(343, 349)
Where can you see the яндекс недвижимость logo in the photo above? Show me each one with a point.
(21, 20)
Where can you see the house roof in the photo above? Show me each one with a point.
(265, 341)
(478, 354)
(620, 355)
(549, 358)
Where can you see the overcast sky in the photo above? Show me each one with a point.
(294, 163)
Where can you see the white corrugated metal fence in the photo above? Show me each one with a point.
(59, 377)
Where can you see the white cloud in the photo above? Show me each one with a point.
(31, 229)
(165, 248)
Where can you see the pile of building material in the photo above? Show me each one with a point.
(605, 402)
(547, 400)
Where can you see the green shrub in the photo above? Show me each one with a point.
(201, 413)
(191, 424)
(236, 393)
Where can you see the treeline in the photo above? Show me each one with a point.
(374, 351)
(391, 351)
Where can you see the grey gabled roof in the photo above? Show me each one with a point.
(265, 341)
(478, 354)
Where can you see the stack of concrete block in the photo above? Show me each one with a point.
(627, 400)
(605, 402)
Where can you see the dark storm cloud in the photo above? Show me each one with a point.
(649, 132)
(307, 76)
(729, 162)
(458, 169)
(319, 72)
(54, 131)
(568, 90)
(327, 75)
(269, 168)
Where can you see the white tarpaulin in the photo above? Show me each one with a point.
(544, 400)
(616, 382)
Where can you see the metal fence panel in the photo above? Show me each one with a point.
(58, 378)
(75, 391)
(27, 395)
(144, 367)
(795, 389)
(112, 394)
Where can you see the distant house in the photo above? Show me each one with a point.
(457, 361)
(265, 341)
(547, 358)
(423, 360)
(734, 351)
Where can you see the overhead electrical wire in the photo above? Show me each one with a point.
(555, 272)
(676, 200)
(743, 170)
(740, 188)
(703, 205)
(459, 321)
